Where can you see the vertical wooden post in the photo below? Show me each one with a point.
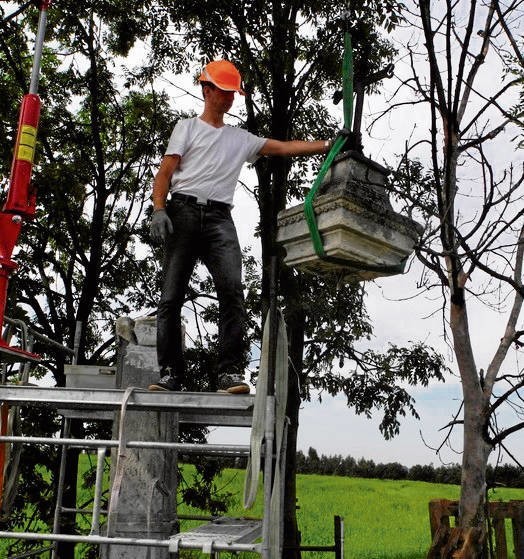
(498, 512)
(518, 527)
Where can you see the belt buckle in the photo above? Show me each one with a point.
(201, 201)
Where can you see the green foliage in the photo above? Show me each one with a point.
(203, 491)
(82, 258)
(97, 141)
(101, 129)
(370, 380)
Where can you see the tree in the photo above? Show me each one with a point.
(471, 202)
(97, 139)
(290, 54)
(84, 268)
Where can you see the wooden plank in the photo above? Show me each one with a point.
(437, 542)
(438, 515)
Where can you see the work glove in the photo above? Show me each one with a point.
(161, 226)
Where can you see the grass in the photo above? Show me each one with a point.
(383, 519)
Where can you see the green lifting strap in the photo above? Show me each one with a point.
(309, 212)
(347, 85)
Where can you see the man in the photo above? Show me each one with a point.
(199, 171)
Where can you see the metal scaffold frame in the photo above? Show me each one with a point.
(199, 408)
(193, 408)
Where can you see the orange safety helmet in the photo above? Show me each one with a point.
(224, 75)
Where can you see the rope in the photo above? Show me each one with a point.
(281, 379)
(257, 426)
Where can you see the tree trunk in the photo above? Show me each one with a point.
(476, 449)
(295, 320)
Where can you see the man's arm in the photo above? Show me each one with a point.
(168, 165)
(294, 147)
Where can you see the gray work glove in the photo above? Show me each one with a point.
(161, 226)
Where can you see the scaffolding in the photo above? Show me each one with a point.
(262, 413)
(127, 408)
(222, 534)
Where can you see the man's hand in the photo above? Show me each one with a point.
(161, 226)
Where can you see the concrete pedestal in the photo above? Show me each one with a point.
(356, 221)
(146, 501)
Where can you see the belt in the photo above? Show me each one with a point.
(186, 198)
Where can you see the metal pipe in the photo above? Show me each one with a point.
(339, 537)
(37, 335)
(39, 45)
(76, 344)
(145, 542)
(81, 511)
(97, 498)
(187, 448)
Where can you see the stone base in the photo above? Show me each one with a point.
(145, 499)
(356, 222)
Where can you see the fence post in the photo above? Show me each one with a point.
(496, 520)
(438, 515)
(518, 527)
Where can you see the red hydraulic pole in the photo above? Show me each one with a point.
(21, 196)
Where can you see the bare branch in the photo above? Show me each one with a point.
(504, 398)
(509, 34)
(481, 139)
(509, 335)
(479, 60)
(506, 432)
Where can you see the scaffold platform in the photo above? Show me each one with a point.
(204, 408)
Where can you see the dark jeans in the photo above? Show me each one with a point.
(206, 233)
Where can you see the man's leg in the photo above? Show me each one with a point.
(223, 258)
(179, 261)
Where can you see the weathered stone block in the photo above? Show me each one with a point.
(145, 331)
(356, 221)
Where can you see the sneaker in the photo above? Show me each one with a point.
(232, 384)
(166, 383)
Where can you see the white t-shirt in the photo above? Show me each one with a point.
(211, 158)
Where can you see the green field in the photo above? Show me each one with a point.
(382, 518)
